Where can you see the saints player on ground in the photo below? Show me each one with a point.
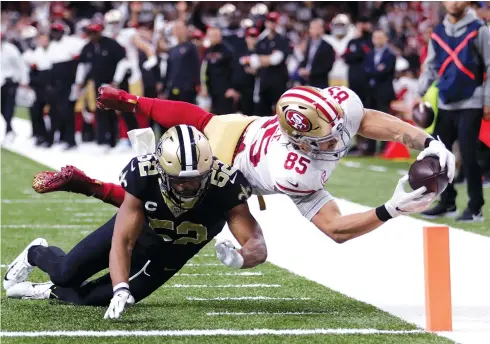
(293, 152)
(176, 201)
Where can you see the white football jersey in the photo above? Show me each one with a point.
(272, 165)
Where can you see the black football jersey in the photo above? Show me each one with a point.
(184, 233)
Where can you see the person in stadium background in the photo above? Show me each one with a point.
(292, 153)
(342, 31)
(319, 57)
(99, 59)
(463, 98)
(181, 80)
(14, 73)
(248, 74)
(176, 200)
(221, 73)
(269, 59)
(379, 68)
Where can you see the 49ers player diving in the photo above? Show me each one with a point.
(293, 152)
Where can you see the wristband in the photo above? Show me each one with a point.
(428, 141)
(120, 286)
(383, 214)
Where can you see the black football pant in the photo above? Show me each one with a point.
(69, 271)
(8, 102)
(268, 99)
(464, 126)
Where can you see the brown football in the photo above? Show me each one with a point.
(427, 172)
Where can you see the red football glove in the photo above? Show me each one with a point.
(112, 98)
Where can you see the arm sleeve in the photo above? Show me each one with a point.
(483, 46)
(169, 113)
(311, 204)
(429, 73)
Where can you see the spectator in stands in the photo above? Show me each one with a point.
(319, 57)
(103, 55)
(62, 54)
(183, 68)
(221, 73)
(270, 59)
(380, 71)
(464, 98)
(14, 72)
(248, 74)
(342, 31)
(355, 54)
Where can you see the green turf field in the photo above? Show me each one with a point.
(63, 219)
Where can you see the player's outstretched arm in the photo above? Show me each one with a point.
(127, 229)
(248, 233)
(342, 228)
(168, 113)
(384, 127)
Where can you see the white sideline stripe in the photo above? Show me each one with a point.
(239, 298)
(376, 168)
(402, 172)
(266, 313)
(45, 200)
(205, 255)
(47, 226)
(217, 332)
(204, 264)
(225, 286)
(4, 266)
(224, 274)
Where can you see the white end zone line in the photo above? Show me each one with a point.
(217, 332)
(240, 298)
(224, 286)
(266, 313)
(204, 264)
(224, 274)
(47, 226)
(47, 200)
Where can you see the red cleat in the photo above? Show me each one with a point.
(69, 179)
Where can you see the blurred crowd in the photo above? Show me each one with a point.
(225, 57)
